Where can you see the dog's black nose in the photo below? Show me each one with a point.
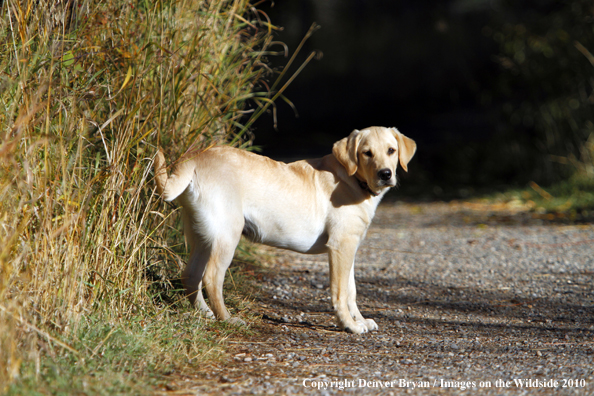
(385, 174)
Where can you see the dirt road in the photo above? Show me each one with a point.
(469, 298)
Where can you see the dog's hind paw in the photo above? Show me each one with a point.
(207, 312)
(236, 321)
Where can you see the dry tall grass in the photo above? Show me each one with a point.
(88, 89)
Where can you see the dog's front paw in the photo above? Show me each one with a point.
(355, 328)
(370, 324)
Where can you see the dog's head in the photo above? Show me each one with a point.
(372, 155)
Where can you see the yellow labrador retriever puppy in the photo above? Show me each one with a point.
(322, 205)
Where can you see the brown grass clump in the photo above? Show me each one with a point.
(88, 90)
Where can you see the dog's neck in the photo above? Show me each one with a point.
(365, 187)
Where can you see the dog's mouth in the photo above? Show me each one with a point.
(378, 187)
(381, 184)
(385, 178)
(387, 183)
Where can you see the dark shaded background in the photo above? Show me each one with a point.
(458, 76)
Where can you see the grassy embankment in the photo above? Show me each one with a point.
(545, 82)
(89, 301)
(571, 199)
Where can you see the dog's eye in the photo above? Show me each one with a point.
(368, 153)
(391, 151)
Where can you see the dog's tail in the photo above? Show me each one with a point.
(171, 187)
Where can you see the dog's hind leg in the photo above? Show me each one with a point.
(201, 304)
(192, 279)
(192, 275)
(223, 248)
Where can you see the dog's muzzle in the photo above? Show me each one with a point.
(384, 174)
(386, 177)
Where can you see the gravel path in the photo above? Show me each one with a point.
(470, 298)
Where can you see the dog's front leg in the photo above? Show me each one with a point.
(341, 256)
(352, 303)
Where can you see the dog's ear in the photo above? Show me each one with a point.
(345, 151)
(406, 148)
